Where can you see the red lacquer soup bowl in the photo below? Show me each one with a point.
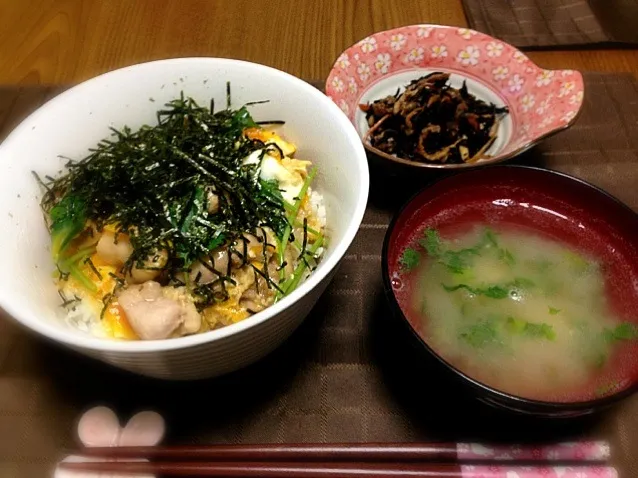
(552, 205)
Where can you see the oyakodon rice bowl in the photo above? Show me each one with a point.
(229, 283)
(192, 224)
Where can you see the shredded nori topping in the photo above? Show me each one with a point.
(154, 184)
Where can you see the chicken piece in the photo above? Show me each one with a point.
(289, 259)
(117, 253)
(112, 252)
(230, 311)
(202, 274)
(255, 301)
(151, 268)
(192, 319)
(155, 312)
(212, 201)
(252, 244)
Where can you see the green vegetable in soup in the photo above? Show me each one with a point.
(409, 259)
(576, 261)
(515, 326)
(530, 329)
(493, 292)
(623, 331)
(597, 347)
(481, 334)
(489, 238)
(523, 283)
(485, 332)
(456, 261)
(432, 242)
(544, 331)
(506, 256)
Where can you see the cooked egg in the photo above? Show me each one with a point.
(286, 171)
(270, 137)
(229, 311)
(115, 323)
(253, 158)
(289, 183)
(226, 313)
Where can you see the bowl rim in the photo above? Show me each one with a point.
(477, 385)
(89, 342)
(496, 159)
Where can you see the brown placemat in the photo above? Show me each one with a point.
(346, 374)
(547, 23)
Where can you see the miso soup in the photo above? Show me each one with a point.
(519, 312)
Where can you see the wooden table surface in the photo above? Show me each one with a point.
(66, 41)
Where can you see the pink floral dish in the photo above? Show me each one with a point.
(540, 102)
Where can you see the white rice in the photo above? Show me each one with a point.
(81, 316)
(318, 206)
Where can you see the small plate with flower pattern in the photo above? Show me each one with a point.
(541, 102)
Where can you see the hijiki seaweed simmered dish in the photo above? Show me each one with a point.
(432, 122)
(189, 225)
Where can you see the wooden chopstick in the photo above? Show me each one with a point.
(289, 452)
(598, 452)
(328, 470)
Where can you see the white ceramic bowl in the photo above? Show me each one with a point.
(77, 119)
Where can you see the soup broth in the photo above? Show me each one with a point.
(519, 312)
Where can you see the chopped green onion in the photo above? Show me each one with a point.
(77, 274)
(78, 256)
(310, 229)
(292, 216)
(294, 280)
